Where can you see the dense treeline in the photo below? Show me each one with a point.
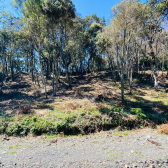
(50, 38)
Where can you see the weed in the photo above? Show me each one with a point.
(95, 141)
(16, 146)
(138, 112)
(110, 151)
(13, 153)
(75, 123)
(48, 137)
(80, 135)
(125, 134)
(116, 134)
(104, 148)
(141, 126)
(112, 154)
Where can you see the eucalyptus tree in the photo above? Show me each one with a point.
(121, 37)
(76, 45)
(34, 24)
(160, 7)
(159, 15)
(93, 25)
(3, 56)
(124, 26)
(60, 15)
(11, 25)
(106, 46)
(152, 34)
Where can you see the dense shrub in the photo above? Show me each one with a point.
(82, 123)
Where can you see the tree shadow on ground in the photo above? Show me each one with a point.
(155, 111)
(17, 94)
(152, 111)
(81, 87)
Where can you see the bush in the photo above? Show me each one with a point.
(42, 126)
(73, 124)
(138, 112)
(16, 129)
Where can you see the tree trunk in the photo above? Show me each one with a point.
(163, 65)
(32, 66)
(48, 67)
(12, 66)
(155, 78)
(6, 65)
(130, 81)
(138, 62)
(122, 83)
(122, 67)
(41, 72)
(2, 77)
(56, 75)
(67, 74)
(27, 64)
(53, 79)
(155, 68)
(42, 76)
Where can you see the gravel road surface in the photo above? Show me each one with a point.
(138, 148)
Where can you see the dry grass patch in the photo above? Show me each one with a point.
(73, 105)
(163, 128)
(41, 111)
(24, 109)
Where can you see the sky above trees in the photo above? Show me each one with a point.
(102, 8)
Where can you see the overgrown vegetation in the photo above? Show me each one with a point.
(83, 122)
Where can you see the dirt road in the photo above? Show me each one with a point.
(139, 148)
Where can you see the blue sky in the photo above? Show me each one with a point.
(100, 7)
(86, 7)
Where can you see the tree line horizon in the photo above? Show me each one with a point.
(50, 37)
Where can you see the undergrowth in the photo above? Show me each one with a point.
(77, 122)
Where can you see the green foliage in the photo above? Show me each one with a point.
(80, 135)
(16, 129)
(117, 109)
(60, 9)
(138, 112)
(41, 127)
(76, 123)
(125, 134)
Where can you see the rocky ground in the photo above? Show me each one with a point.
(138, 148)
